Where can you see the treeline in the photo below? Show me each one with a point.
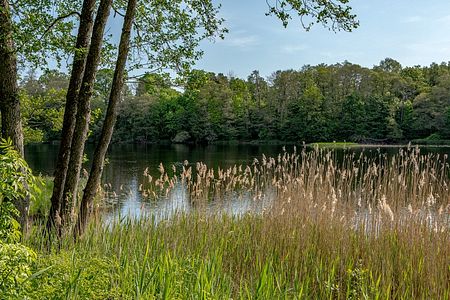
(341, 102)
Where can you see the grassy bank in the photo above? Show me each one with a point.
(270, 257)
(358, 228)
(333, 144)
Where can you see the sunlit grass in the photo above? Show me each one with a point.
(334, 144)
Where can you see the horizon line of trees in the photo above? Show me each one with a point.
(323, 103)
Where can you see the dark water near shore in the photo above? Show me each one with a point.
(126, 165)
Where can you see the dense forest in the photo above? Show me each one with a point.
(342, 102)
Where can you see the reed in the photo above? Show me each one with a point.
(351, 227)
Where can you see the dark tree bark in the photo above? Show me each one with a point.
(110, 120)
(79, 62)
(84, 112)
(9, 96)
(9, 90)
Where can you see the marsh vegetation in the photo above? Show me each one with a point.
(356, 227)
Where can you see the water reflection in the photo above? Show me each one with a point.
(133, 206)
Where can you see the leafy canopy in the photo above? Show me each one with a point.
(43, 30)
(333, 14)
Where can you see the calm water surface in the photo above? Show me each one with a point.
(126, 165)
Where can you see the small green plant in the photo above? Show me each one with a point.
(16, 178)
(16, 262)
(357, 282)
(40, 206)
(9, 227)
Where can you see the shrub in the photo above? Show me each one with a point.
(16, 178)
(16, 181)
(15, 269)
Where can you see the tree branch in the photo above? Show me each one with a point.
(117, 12)
(58, 19)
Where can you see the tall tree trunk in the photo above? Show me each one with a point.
(9, 95)
(110, 120)
(9, 90)
(79, 62)
(84, 111)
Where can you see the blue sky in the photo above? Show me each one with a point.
(414, 32)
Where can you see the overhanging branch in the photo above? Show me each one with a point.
(58, 19)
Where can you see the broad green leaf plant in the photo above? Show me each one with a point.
(16, 182)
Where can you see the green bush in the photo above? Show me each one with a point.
(16, 260)
(16, 179)
(9, 227)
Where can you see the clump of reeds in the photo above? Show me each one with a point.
(390, 187)
(353, 227)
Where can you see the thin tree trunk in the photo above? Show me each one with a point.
(84, 112)
(79, 62)
(110, 120)
(9, 96)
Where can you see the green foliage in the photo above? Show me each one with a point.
(16, 183)
(335, 14)
(324, 103)
(181, 137)
(9, 227)
(16, 262)
(75, 276)
(16, 178)
(42, 106)
(170, 33)
(40, 206)
(358, 283)
(43, 30)
(32, 136)
(344, 102)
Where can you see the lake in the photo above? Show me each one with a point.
(124, 173)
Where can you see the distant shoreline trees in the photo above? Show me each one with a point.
(340, 102)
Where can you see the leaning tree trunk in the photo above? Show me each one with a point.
(84, 112)
(79, 62)
(9, 96)
(108, 124)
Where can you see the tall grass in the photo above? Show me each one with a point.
(356, 227)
